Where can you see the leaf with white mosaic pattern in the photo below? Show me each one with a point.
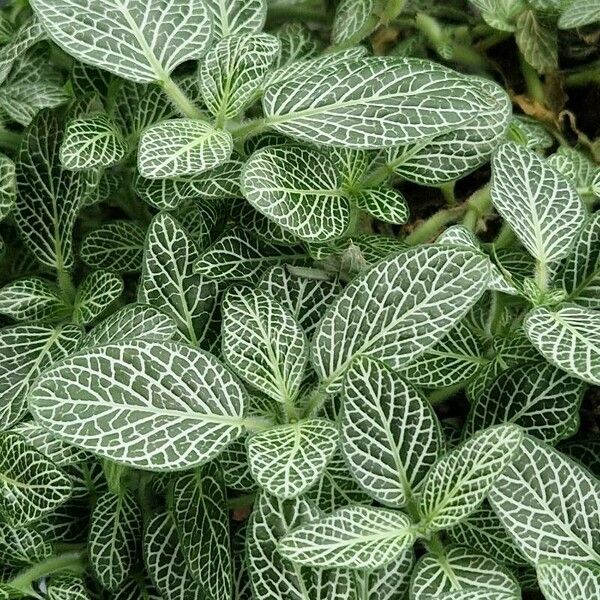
(561, 579)
(299, 189)
(116, 525)
(386, 204)
(165, 563)
(579, 13)
(116, 246)
(286, 460)
(263, 343)
(202, 521)
(537, 40)
(32, 299)
(168, 281)
(30, 485)
(20, 546)
(356, 537)
(458, 483)
(231, 17)
(137, 40)
(390, 435)
(8, 186)
(543, 209)
(350, 18)
(67, 586)
(29, 34)
(538, 397)
(461, 569)
(529, 133)
(25, 351)
(98, 292)
(182, 147)
(390, 582)
(233, 70)
(92, 142)
(568, 338)
(169, 423)
(576, 167)
(297, 42)
(398, 309)
(414, 99)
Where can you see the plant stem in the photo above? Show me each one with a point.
(71, 561)
(438, 396)
(506, 236)
(535, 88)
(179, 98)
(429, 229)
(447, 190)
(249, 129)
(581, 77)
(541, 275)
(65, 283)
(477, 206)
(257, 423)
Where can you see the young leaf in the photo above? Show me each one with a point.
(561, 579)
(537, 41)
(233, 70)
(263, 344)
(231, 17)
(579, 13)
(414, 100)
(386, 204)
(299, 189)
(390, 434)
(542, 208)
(92, 142)
(114, 532)
(398, 309)
(458, 483)
(180, 147)
(29, 34)
(356, 537)
(539, 398)
(577, 168)
(67, 586)
(171, 422)
(168, 281)
(145, 41)
(30, 485)
(568, 338)
(390, 582)
(352, 18)
(8, 186)
(288, 459)
(99, 290)
(200, 514)
(549, 504)
(32, 299)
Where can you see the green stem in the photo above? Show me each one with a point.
(477, 206)
(257, 423)
(541, 275)
(179, 98)
(535, 88)
(249, 129)
(378, 176)
(71, 561)
(65, 283)
(431, 227)
(316, 399)
(439, 396)
(447, 190)
(589, 75)
(505, 238)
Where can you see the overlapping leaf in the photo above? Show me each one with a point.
(386, 204)
(32, 299)
(22, 546)
(8, 189)
(351, 17)
(564, 579)
(99, 290)
(579, 13)
(237, 16)
(29, 34)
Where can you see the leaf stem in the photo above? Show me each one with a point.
(506, 236)
(535, 88)
(180, 99)
(429, 229)
(477, 206)
(541, 275)
(71, 561)
(257, 423)
(438, 396)
(246, 130)
(65, 283)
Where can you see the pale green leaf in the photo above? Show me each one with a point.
(351, 17)
(236, 470)
(32, 299)
(8, 186)
(390, 434)
(288, 459)
(458, 483)
(231, 17)
(579, 13)
(543, 209)
(538, 41)
(182, 147)
(499, 14)
(29, 34)
(116, 525)
(263, 343)
(145, 40)
(549, 504)
(398, 309)
(386, 204)
(563, 579)
(568, 338)
(356, 537)
(168, 281)
(98, 292)
(203, 222)
(186, 407)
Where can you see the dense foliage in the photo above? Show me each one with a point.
(299, 300)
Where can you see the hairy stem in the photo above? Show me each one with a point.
(477, 206)
(65, 284)
(180, 99)
(69, 561)
(429, 229)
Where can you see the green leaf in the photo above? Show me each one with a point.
(389, 582)
(202, 520)
(549, 504)
(288, 459)
(32, 299)
(461, 569)
(529, 133)
(29, 34)
(171, 422)
(115, 528)
(145, 41)
(537, 41)
(390, 434)
(386, 204)
(26, 351)
(299, 189)
(357, 537)
(398, 309)
(499, 14)
(165, 562)
(98, 292)
(92, 142)
(238, 255)
(458, 483)
(351, 17)
(259, 225)
(231, 17)
(579, 13)
(8, 186)
(577, 168)
(586, 452)
(132, 322)
(182, 147)
(168, 281)
(542, 208)
(48, 196)
(538, 397)
(263, 343)
(20, 546)
(30, 485)
(233, 70)
(561, 579)
(414, 100)
(66, 586)
(116, 246)
(568, 338)
(297, 42)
